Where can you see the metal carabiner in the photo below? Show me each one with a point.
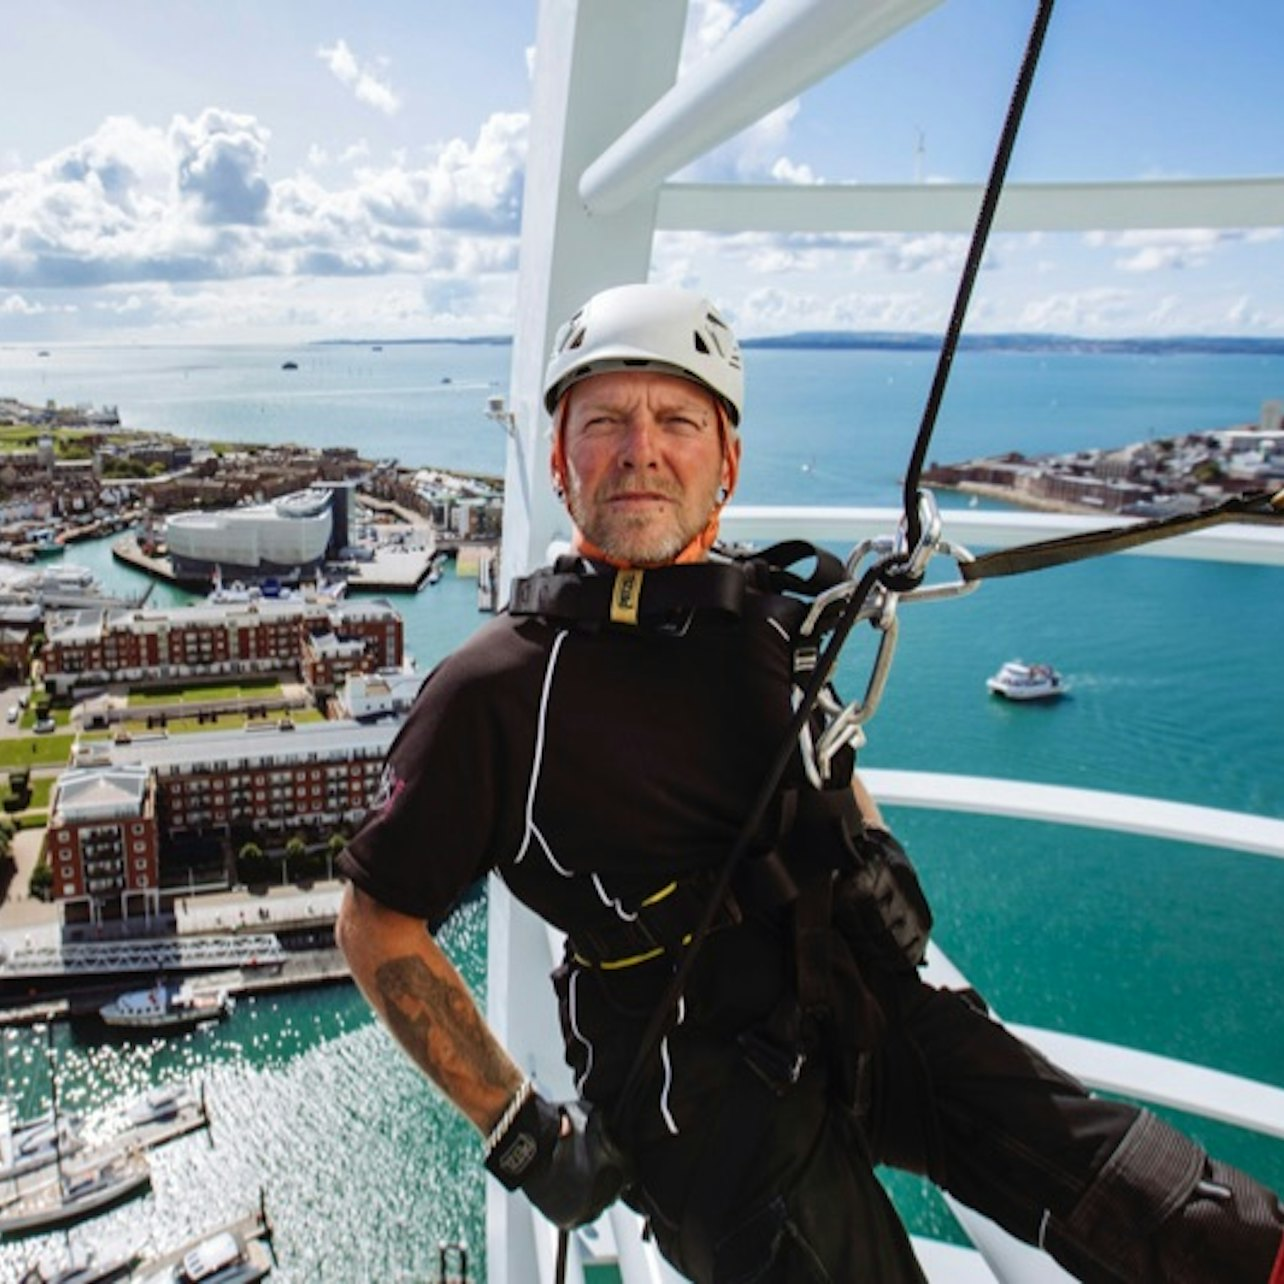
(915, 559)
(845, 724)
(950, 588)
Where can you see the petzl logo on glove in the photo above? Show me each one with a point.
(517, 1155)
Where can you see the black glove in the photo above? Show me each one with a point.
(571, 1179)
(880, 907)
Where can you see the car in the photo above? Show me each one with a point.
(44, 725)
(12, 713)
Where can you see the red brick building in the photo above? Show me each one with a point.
(102, 843)
(163, 646)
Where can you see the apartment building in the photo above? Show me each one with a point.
(103, 844)
(264, 783)
(265, 635)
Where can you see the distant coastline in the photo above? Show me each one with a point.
(1063, 343)
(910, 341)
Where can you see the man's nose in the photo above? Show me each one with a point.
(639, 446)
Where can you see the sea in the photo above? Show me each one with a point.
(1176, 683)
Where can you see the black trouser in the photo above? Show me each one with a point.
(1112, 1192)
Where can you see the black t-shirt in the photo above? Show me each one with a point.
(600, 761)
(591, 766)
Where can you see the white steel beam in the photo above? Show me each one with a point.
(774, 54)
(952, 207)
(984, 528)
(1090, 808)
(1164, 1081)
(599, 65)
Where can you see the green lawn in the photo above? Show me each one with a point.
(36, 751)
(179, 695)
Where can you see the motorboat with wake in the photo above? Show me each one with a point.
(1017, 680)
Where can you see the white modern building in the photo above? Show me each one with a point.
(286, 537)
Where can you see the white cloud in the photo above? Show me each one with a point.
(15, 305)
(363, 82)
(1167, 249)
(220, 158)
(1099, 310)
(133, 203)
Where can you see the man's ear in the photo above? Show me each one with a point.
(730, 462)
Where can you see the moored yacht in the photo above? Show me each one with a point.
(164, 1007)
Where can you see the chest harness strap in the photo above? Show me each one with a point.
(767, 585)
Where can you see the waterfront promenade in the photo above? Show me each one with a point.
(235, 930)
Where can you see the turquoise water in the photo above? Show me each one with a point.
(1176, 678)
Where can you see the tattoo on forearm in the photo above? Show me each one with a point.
(439, 1025)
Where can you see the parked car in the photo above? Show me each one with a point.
(44, 725)
(12, 713)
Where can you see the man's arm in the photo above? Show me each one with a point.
(423, 1000)
(560, 1156)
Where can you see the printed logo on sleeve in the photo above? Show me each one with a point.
(390, 787)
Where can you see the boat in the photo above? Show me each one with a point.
(238, 1253)
(289, 365)
(71, 1197)
(164, 1007)
(160, 1105)
(1016, 680)
(31, 1144)
(81, 1266)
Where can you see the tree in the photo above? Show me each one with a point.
(295, 850)
(252, 865)
(41, 883)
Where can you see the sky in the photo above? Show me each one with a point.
(193, 171)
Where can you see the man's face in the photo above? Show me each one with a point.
(644, 463)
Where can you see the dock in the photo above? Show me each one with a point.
(252, 1234)
(249, 943)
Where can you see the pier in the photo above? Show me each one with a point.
(252, 943)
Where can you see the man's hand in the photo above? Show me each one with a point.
(560, 1157)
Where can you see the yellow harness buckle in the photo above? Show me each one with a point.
(626, 596)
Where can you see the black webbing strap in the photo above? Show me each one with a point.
(1254, 507)
(580, 592)
(775, 562)
(629, 596)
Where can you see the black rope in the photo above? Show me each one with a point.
(976, 252)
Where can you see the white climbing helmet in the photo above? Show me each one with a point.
(640, 327)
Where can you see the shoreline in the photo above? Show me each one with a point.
(1017, 499)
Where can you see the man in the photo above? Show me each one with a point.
(601, 746)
